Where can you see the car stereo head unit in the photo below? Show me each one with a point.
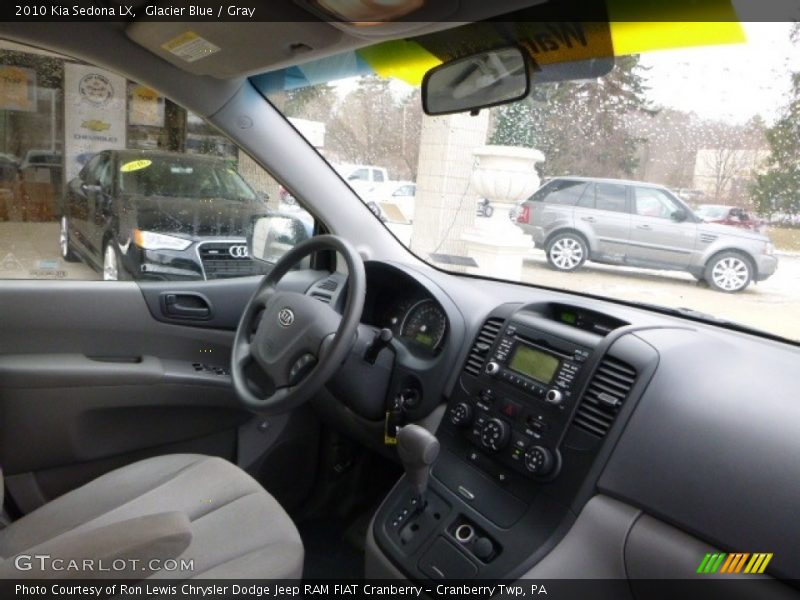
(536, 362)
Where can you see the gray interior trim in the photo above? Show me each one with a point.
(595, 546)
(64, 321)
(712, 447)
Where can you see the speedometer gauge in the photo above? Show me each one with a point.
(425, 324)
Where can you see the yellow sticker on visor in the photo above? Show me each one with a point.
(135, 165)
(401, 59)
(642, 26)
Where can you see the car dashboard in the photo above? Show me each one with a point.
(552, 400)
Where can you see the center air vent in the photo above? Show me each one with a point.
(608, 390)
(484, 341)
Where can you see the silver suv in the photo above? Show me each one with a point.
(640, 224)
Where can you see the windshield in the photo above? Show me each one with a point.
(630, 157)
(182, 176)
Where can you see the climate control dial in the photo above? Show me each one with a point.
(495, 434)
(461, 414)
(539, 460)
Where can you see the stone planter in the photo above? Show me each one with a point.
(505, 175)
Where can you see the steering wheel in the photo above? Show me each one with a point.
(294, 340)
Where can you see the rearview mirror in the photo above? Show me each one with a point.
(270, 237)
(477, 81)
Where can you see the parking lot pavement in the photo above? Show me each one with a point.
(30, 251)
(772, 305)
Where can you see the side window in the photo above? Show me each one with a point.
(377, 175)
(186, 195)
(406, 190)
(587, 198)
(611, 197)
(566, 192)
(89, 173)
(651, 202)
(103, 174)
(359, 175)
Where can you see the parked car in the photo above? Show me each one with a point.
(134, 214)
(729, 215)
(363, 178)
(634, 223)
(484, 208)
(43, 159)
(395, 200)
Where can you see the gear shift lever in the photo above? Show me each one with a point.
(418, 448)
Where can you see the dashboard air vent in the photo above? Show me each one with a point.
(608, 389)
(484, 341)
(329, 285)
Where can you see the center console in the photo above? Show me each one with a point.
(535, 401)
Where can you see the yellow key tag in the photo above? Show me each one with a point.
(390, 428)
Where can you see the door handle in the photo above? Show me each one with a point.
(589, 219)
(643, 227)
(185, 305)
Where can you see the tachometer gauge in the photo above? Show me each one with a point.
(425, 324)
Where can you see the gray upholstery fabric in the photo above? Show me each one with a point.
(238, 529)
(149, 540)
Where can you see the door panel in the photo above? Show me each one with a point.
(662, 242)
(656, 238)
(603, 209)
(90, 381)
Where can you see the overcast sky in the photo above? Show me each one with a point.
(732, 82)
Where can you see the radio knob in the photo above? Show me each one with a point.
(554, 397)
(492, 368)
(495, 434)
(539, 460)
(461, 414)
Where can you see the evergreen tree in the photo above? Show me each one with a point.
(582, 126)
(778, 188)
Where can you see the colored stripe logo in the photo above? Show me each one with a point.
(737, 562)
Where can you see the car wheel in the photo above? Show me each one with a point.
(729, 272)
(567, 252)
(112, 269)
(63, 239)
(488, 211)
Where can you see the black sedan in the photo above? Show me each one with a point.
(160, 215)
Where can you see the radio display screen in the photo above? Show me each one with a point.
(534, 363)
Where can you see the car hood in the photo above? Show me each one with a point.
(194, 217)
(731, 231)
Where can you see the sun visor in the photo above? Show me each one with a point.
(224, 50)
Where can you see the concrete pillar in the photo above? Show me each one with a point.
(445, 201)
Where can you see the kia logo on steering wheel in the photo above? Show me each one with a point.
(285, 317)
(238, 251)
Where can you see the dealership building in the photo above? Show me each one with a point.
(55, 113)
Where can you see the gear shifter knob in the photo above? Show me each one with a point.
(418, 448)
